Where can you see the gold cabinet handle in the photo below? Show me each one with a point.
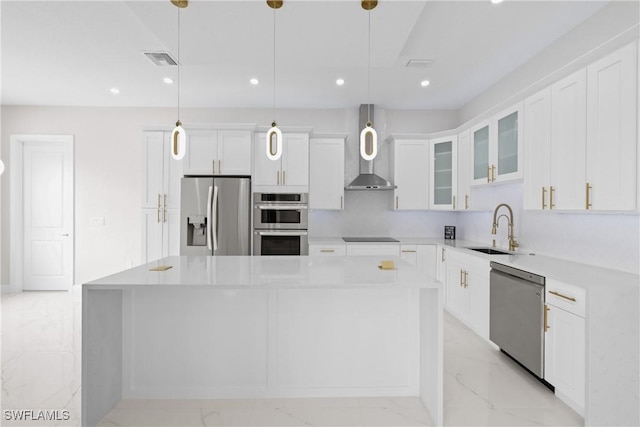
(466, 279)
(278, 177)
(466, 201)
(284, 181)
(159, 207)
(461, 274)
(158, 216)
(164, 215)
(219, 166)
(493, 173)
(488, 173)
(396, 202)
(442, 256)
(544, 198)
(214, 166)
(327, 251)
(165, 201)
(454, 202)
(588, 191)
(546, 323)
(551, 192)
(408, 251)
(558, 294)
(341, 202)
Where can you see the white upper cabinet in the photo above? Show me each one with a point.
(411, 174)
(497, 147)
(326, 173)
(444, 163)
(463, 198)
(160, 172)
(480, 136)
(568, 136)
(581, 138)
(537, 150)
(234, 152)
(290, 171)
(612, 142)
(218, 152)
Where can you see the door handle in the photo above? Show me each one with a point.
(209, 202)
(546, 322)
(558, 294)
(214, 222)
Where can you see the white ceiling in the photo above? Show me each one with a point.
(73, 52)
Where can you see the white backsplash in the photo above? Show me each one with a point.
(369, 213)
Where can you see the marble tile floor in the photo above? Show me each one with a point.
(40, 360)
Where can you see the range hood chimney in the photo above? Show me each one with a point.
(367, 180)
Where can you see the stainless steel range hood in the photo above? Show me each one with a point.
(367, 180)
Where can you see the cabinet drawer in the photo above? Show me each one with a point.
(327, 250)
(568, 297)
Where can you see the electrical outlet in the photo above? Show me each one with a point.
(96, 222)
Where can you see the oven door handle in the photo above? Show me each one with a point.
(281, 233)
(281, 207)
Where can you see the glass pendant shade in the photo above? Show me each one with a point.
(368, 143)
(274, 142)
(178, 142)
(1, 167)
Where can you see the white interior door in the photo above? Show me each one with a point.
(48, 216)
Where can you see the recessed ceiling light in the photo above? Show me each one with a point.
(168, 80)
(340, 82)
(114, 90)
(496, 1)
(425, 83)
(254, 81)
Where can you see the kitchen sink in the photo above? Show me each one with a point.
(490, 251)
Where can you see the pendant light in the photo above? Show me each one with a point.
(274, 135)
(368, 135)
(179, 136)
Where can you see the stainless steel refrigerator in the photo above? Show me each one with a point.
(215, 216)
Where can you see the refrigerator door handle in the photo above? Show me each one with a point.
(214, 222)
(209, 217)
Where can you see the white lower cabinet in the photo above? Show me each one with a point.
(467, 290)
(564, 351)
(327, 249)
(382, 250)
(160, 234)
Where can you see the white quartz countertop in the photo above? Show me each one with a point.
(271, 271)
(578, 274)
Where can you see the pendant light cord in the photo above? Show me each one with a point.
(178, 64)
(274, 65)
(369, 73)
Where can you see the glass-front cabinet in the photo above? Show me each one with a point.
(497, 147)
(480, 144)
(443, 185)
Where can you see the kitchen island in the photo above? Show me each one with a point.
(252, 327)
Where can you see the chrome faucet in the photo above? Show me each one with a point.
(512, 242)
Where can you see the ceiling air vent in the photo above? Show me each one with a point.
(161, 59)
(419, 63)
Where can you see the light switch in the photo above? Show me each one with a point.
(96, 222)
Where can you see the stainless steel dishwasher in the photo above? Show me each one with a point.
(516, 315)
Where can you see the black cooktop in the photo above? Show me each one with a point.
(370, 240)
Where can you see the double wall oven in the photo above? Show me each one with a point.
(280, 223)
